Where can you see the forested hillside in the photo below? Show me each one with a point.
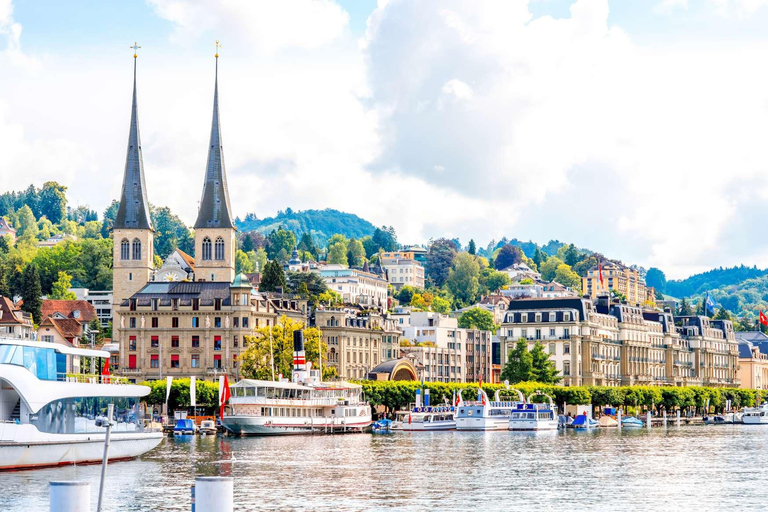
(321, 224)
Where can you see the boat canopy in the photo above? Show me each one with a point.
(58, 347)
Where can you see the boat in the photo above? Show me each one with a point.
(51, 417)
(564, 421)
(184, 427)
(534, 416)
(485, 414)
(607, 422)
(756, 415)
(207, 427)
(583, 422)
(631, 422)
(304, 405)
(382, 426)
(425, 417)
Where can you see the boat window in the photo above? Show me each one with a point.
(271, 393)
(78, 415)
(261, 391)
(250, 391)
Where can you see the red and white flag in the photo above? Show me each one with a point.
(224, 394)
(600, 272)
(763, 318)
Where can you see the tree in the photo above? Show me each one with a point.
(355, 253)
(53, 201)
(656, 278)
(306, 243)
(280, 240)
(243, 263)
(543, 369)
(330, 298)
(685, 308)
(247, 243)
(440, 260)
(571, 255)
(273, 278)
(493, 280)
(477, 318)
(548, 269)
(261, 259)
(385, 238)
(723, 314)
(472, 249)
(441, 305)
(337, 253)
(567, 277)
(539, 257)
(170, 232)
(464, 278)
(309, 283)
(32, 292)
(60, 289)
(508, 255)
(519, 367)
(27, 223)
(406, 293)
(110, 214)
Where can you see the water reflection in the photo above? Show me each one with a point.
(684, 468)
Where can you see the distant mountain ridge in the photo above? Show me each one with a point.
(699, 284)
(322, 224)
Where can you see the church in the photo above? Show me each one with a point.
(191, 316)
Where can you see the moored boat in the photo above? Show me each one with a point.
(534, 416)
(304, 405)
(425, 417)
(485, 414)
(184, 427)
(207, 427)
(755, 415)
(631, 422)
(583, 422)
(50, 417)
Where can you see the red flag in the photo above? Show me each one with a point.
(105, 372)
(225, 396)
(763, 318)
(600, 271)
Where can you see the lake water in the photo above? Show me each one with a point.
(685, 468)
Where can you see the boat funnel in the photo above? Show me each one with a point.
(300, 373)
(426, 397)
(418, 398)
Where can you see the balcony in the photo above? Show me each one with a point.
(131, 371)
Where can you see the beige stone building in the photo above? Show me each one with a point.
(619, 278)
(358, 340)
(753, 361)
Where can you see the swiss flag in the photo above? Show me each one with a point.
(224, 395)
(763, 318)
(105, 372)
(600, 271)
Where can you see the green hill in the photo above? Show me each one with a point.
(322, 224)
(699, 284)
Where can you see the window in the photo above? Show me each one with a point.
(136, 249)
(195, 304)
(154, 304)
(566, 348)
(217, 322)
(552, 348)
(195, 360)
(132, 344)
(155, 342)
(566, 333)
(47, 338)
(154, 322)
(132, 361)
(175, 304)
(195, 321)
(235, 322)
(217, 361)
(175, 322)
(217, 343)
(132, 304)
(567, 368)
(552, 332)
(235, 341)
(132, 322)
(538, 334)
(174, 360)
(154, 361)
(219, 249)
(195, 341)
(245, 322)
(174, 342)
(217, 304)
(125, 250)
(206, 248)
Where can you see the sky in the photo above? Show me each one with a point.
(636, 129)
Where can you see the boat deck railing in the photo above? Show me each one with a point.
(85, 378)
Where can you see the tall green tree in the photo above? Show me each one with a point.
(32, 292)
(492, 280)
(477, 318)
(279, 240)
(53, 201)
(27, 224)
(355, 253)
(385, 238)
(60, 289)
(567, 277)
(170, 232)
(548, 269)
(464, 278)
(519, 367)
(685, 308)
(472, 248)
(273, 278)
(440, 260)
(337, 253)
(508, 255)
(243, 263)
(656, 278)
(543, 369)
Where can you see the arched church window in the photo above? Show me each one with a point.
(206, 248)
(125, 250)
(219, 248)
(136, 249)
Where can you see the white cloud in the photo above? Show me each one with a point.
(668, 7)
(739, 8)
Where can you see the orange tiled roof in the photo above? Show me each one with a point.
(68, 307)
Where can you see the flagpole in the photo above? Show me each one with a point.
(271, 353)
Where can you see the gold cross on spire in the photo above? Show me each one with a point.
(135, 47)
(218, 45)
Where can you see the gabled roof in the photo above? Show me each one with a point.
(189, 260)
(67, 308)
(5, 226)
(133, 212)
(215, 211)
(10, 314)
(69, 328)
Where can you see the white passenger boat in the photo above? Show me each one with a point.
(756, 415)
(485, 414)
(49, 417)
(301, 406)
(534, 416)
(424, 417)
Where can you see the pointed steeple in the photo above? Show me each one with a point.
(133, 212)
(215, 211)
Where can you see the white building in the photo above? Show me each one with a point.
(537, 290)
(101, 300)
(519, 271)
(356, 286)
(401, 272)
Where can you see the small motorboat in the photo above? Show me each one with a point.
(382, 426)
(207, 427)
(631, 422)
(184, 427)
(583, 422)
(607, 422)
(564, 421)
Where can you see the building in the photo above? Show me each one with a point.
(101, 300)
(56, 240)
(401, 272)
(396, 369)
(191, 316)
(537, 290)
(66, 321)
(356, 286)
(602, 343)
(753, 359)
(443, 352)
(619, 278)
(7, 230)
(358, 340)
(519, 271)
(15, 323)
(496, 304)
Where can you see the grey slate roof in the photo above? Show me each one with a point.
(215, 211)
(133, 212)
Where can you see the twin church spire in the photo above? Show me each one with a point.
(214, 210)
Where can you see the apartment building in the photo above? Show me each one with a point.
(356, 286)
(620, 278)
(101, 300)
(401, 272)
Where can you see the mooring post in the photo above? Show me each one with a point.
(70, 496)
(214, 494)
(618, 418)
